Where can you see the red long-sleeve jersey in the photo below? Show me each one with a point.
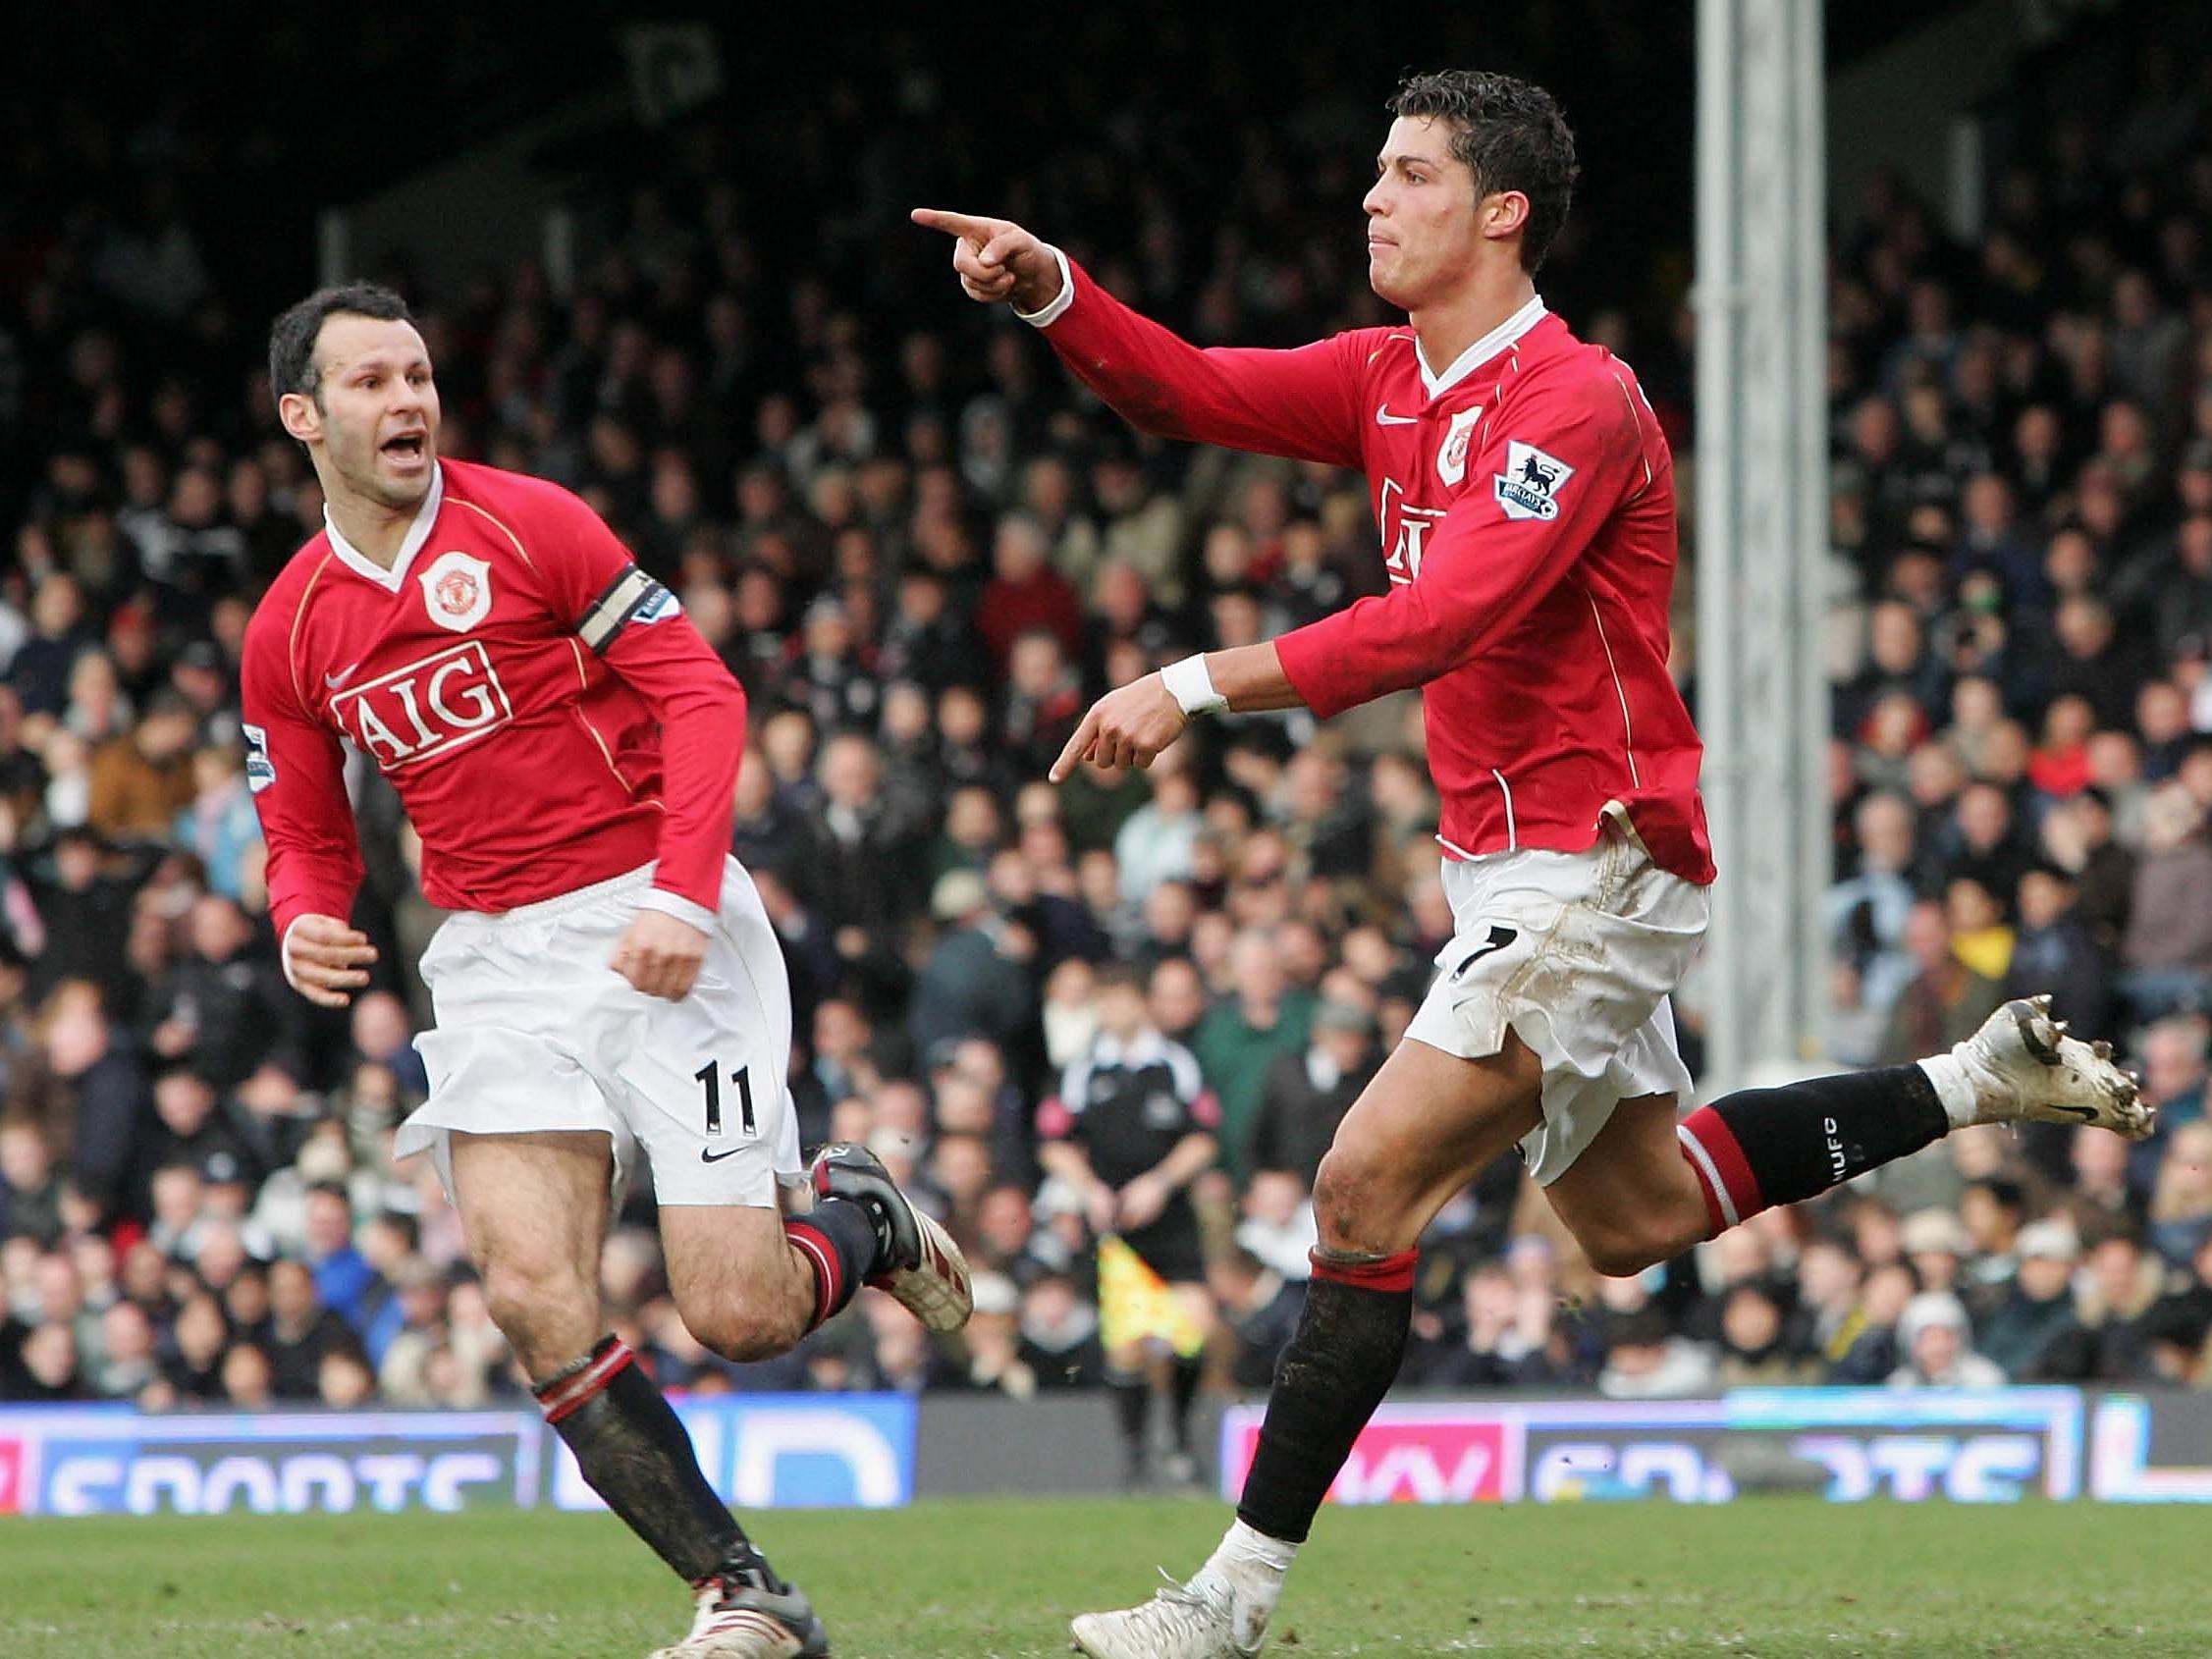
(547, 715)
(1526, 502)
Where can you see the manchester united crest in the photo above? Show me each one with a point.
(1451, 454)
(457, 591)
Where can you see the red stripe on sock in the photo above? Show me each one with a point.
(1711, 1131)
(829, 1276)
(1391, 1273)
(564, 1395)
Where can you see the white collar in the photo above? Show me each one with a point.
(418, 532)
(1482, 352)
(1148, 1048)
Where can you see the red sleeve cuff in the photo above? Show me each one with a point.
(285, 911)
(1310, 657)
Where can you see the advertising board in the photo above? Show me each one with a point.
(1847, 1444)
(760, 1451)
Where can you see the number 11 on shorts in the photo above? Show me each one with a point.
(710, 1080)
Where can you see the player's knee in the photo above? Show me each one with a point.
(1621, 1246)
(545, 1312)
(742, 1343)
(749, 1330)
(1351, 1196)
(1617, 1253)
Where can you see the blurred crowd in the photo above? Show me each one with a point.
(922, 551)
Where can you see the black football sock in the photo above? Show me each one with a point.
(635, 1452)
(1340, 1362)
(1764, 1146)
(1183, 1384)
(838, 1238)
(1132, 1410)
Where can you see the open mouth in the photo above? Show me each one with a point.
(407, 447)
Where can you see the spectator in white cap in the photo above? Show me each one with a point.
(1935, 1337)
(976, 978)
(1935, 1242)
(993, 1340)
(2040, 1311)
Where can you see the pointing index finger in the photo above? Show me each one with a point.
(953, 224)
(1084, 735)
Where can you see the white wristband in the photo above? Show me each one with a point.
(1051, 312)
(1192, 687)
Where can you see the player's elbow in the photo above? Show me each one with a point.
(1454, 648)
(1413, 661)
(1152, 408)
(717, 699)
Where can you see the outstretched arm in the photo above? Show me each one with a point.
(1298, 402)
(1490, 560)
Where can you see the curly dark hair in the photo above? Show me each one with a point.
(1511, 135)
(292, 336)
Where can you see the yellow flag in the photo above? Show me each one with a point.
(1136, 1305)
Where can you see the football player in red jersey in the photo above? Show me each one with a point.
(567, 746)
(1525, 503)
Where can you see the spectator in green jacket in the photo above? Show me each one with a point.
(1244, 1033)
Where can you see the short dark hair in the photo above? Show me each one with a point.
(1119, 975)
(292, 336)
(1511, 135)
(2008, 1193)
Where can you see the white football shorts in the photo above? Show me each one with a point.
(536, 1032)
(1578, 953)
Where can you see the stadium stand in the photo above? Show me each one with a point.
(921, 549)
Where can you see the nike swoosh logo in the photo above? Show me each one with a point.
(1499, 939)
(1383, 417)
(333, 681)
(706, 1156)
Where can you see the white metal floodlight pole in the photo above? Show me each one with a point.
(1762, 527)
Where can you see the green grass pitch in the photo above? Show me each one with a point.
(1774, 1578)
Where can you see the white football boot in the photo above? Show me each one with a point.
(746, 1612)
(1205, 1618)
(2024, 1067)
